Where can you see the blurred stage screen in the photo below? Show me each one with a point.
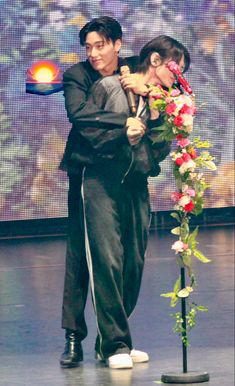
(34, 128)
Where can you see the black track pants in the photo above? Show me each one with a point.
(116, 219)
(76, 272)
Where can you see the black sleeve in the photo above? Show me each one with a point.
(81, 111)
(105, 139)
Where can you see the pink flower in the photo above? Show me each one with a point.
(183, 142)
(187, 110)
(179, 246)
(186, 157)
(179, 161)
(175, 92)
(175, 196)
(170, 109)
(191, 192)
(168, 100)
(156, 96)
(189, 207)
(178, 121)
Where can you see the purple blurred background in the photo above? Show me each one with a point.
(33, 129)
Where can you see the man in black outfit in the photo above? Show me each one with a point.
(88, 145)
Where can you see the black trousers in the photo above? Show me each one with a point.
(113, 221)
(116, 218)
(76, 279)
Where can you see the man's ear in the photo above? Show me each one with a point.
(155, 59)
(117, 45)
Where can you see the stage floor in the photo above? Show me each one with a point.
(31, 340)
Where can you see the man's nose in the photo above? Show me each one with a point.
(93, 52)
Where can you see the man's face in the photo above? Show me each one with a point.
(164, 76)
(102, 54)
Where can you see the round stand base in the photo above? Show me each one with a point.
(189, 377)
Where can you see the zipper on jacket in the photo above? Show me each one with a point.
(129, 168)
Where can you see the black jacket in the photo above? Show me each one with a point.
(141, 160)
(84, 144)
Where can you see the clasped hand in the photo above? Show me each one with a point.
(135, 130)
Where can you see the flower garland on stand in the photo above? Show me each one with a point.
(189, 157)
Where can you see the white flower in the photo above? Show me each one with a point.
(188, 119)
(185, 188)
(176, 207)
(187, 166)
(188, 129)
(184, 200)
(174, 155)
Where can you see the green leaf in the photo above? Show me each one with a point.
(176, 231)
(199, 255)
(177, 285)
(176, 216)
(194, 234)
(184, 231)
(174, 301)
(202, 308)
(201, 144)
(168, 295)
(172, 296)
(159, 104)
(210, 165)
(187, 260)
(158, 128)
(192, 238)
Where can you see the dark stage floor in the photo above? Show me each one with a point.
(31, 340)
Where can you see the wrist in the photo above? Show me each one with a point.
(154, 114)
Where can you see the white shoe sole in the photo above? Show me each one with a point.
(120, 361)
(139, 356)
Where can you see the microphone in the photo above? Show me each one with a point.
(130, 95)
(174, 68)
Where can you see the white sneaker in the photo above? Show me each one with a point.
(138, 356)
(120, 361)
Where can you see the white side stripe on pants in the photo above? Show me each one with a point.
(89, 259)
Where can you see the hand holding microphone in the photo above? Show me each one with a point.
(129, 93)
(135, 127)
(174, 68)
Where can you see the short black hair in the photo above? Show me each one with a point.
(167, 48)
(105, 26)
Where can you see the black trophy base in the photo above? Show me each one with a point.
(189, 377)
